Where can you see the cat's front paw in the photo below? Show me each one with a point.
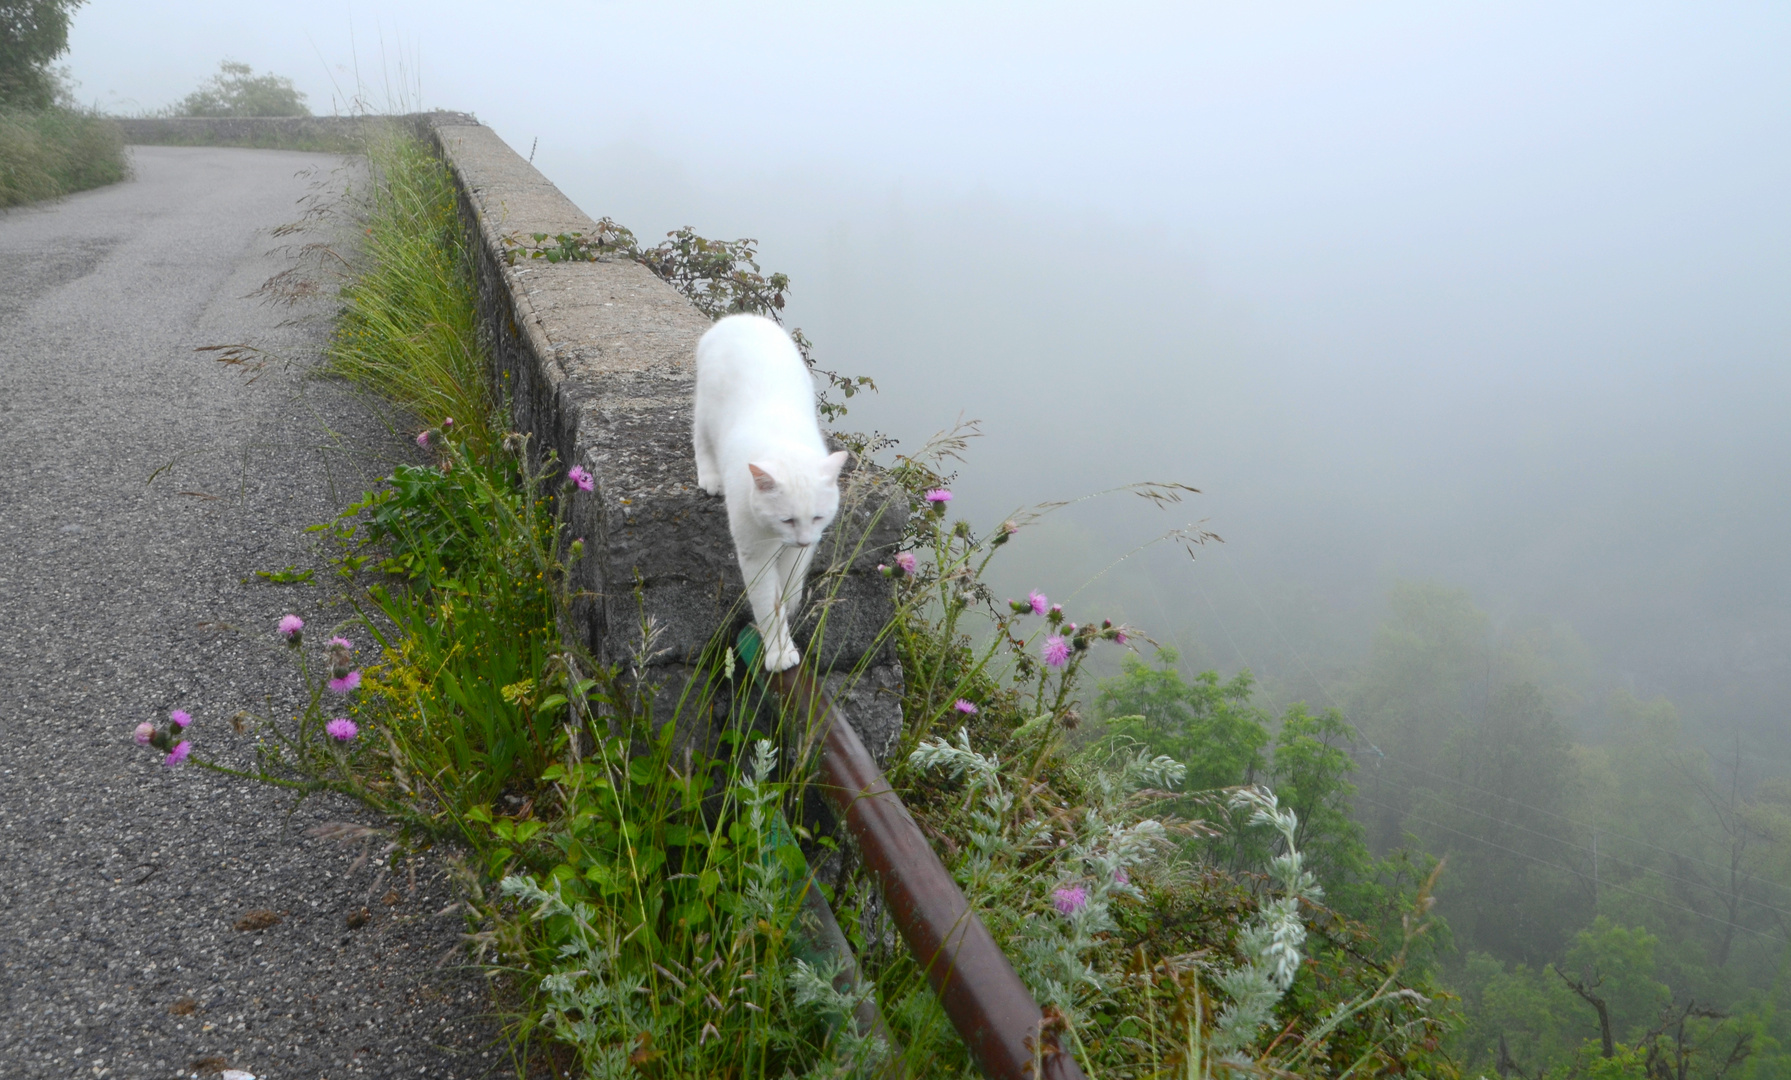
(781, 656)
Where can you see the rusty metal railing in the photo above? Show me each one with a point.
(1007, 1033)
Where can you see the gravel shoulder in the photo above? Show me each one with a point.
(141, 485)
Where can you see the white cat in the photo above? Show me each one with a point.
(758, 443)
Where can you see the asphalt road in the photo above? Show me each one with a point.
(140, 483)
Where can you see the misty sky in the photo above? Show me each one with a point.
(1492, 294)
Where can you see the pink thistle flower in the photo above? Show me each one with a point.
(342, 729)
(905, 560)
(1040, 602)
(342, 643)
(1120, 636)
(938, 496)
(180, 718)
(178, 754)
(290, 625)
(145, 732)
(965, 707)
(1071, 900)
(345, 683)
(580, 478)
(447, 423)
(423, 439)
(1056, 651)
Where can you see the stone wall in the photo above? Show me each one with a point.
(334, 133)
(597, 360)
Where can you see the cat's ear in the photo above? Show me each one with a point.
(831, 466)
(761, 479)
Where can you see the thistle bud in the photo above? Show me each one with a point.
(577, 550)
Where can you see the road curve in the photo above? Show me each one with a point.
(141, 483)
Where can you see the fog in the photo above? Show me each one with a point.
(1489, 295)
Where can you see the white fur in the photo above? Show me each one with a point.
(759, 444)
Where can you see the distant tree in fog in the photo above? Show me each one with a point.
(237, 91)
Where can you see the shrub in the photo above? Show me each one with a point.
(56, 151)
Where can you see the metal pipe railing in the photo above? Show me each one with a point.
(987, 1003)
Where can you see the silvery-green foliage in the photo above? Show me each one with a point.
(957, 760)
(1090, 868)
(589, 1005)
(764, 890)
(1272, 941)
(1107, 843)
(850, 1054)
(995, 842)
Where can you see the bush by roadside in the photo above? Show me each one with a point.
(46, 153)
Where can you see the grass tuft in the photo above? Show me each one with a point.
(409, 324)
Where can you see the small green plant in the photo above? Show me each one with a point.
(291, 575)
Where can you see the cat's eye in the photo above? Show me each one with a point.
(792, 521)
(817, 517)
